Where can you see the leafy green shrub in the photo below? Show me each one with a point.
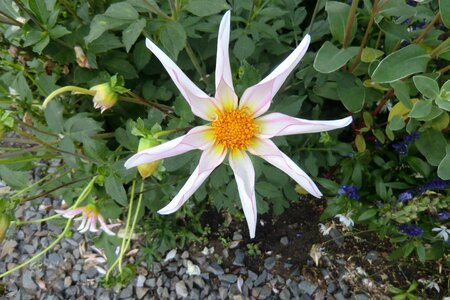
(385, 63)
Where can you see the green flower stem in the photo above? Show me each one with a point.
(316, 10)
(350, 20)
(136, 213)
(82, 196)
(38, 182)
(56, 241)
(64, 89)
(36, 129)
(20, 223)
(140, 100)
(442, 47)
(25, 72)
(122, 251)
(366, 35)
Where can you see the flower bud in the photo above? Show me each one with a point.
(105, 97)
(146, 170)
(4, 224)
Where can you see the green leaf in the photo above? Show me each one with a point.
(203, 8)
(421, 109)
(17, 180)
(243, 47)
(123, 11)
(351, 92)
(80, 126)
(432, 145)
(406, 61)
(418, 165)
(329, 58)
(173, 38)
(444, 165)
(427, 86)
(444, 8)
(396, 123)
(141, 55)
(131, 34)
(39, 8)
(53, 116)
(368, 55)
(58, 31)
(337, 19)
(115, 189)
(420, 250)
(401, 90)
(443, 100)
(368, 214)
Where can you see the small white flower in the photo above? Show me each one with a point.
(443, 232)
(324, 230)
(346, 220)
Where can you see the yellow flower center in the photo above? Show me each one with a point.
(234, 129)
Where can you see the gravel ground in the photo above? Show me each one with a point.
(69, 271)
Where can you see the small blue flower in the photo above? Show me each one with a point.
(349, 192)
(404, 43)
(411, 137)
(434, 184)
(410, 230)
(443, 215)
(411, 2)
(405, 197)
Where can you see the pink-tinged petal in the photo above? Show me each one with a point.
(199, 137)
(209, 160)
(244, 174)
(258, 97)
(84, 226)
(277, 124)
(201, 104)
(225, 94)
(268, 151)
(93, 224)
(69, 213)
(104, 226)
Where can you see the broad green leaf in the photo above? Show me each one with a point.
(360, 143)
(443, 100)
(329, 58)
(123, 11)
(368, 55)
(102, 23)
(441, 122)
(53, 115)
(58, 31)
(115, 189)
(141, 55)
(17, 180)
(173, 38)
(337, 19)
(131, 34)
(40, 46)
(444, 165)
(396, 123)
(80, 126)
(406, 61)
(432, 145)
(400, 109)
(444, 8)
(203, 8)
(368, 214)
(426, 85)
(420, 250)
(418, 165)
(421, 109)
(243, 47)
(107, 41)
(401, 90)
(351, 92)
(39, 9)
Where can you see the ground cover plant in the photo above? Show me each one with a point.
(85, 85)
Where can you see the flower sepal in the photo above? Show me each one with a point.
(148, 169)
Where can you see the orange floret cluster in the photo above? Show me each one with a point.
(234, 129)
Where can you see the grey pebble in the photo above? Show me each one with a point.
(67, 281)
(228, 278)
(361, 297)
(87, 291)
(141, 291)
(140, 281)
(151, 283)
(270, 262)
(239, 257)
(181, 289)
(261, 278)
(237, 236)
(215, 268)
(126, 292)
(27, 282)
(307, 287)
(285, 294)
(265, 292)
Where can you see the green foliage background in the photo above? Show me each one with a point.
(386, 63)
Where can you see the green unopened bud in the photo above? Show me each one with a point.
(146, 170)
(104, 97)
(4, 224)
